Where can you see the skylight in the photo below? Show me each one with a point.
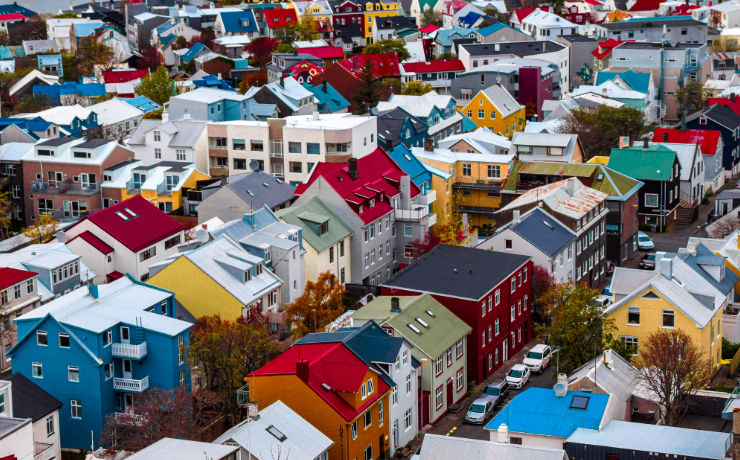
(122, 216)
(414, 328)
(250, 193)
(547, 224)
(579, 402)
(265, 184)
(422, 322)
(430, 313)
(130, 212)
(277, 433)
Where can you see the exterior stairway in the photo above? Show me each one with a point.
(687, 213)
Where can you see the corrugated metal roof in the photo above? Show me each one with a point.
(560, 197)
(438, 447)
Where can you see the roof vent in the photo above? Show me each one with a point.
(122, 216)
(560, 389)
(431, 313)
(414, 328)
(422, 322)
(547, 224)
(130, 212)
(326, 386)
(277, 433)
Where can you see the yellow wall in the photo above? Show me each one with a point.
(499, 124)
(175, 197)
(651, 321)
(387, 10)
(196, 291)
(266, 389)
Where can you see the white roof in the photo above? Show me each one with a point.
(309, 43)
(29, 77)
(64, 153)
(181, 449)
(233, 40)
(449, 157)
(609, 88)
(114, 111)
(210, 95)
(15, 151)
(725, 6)
(542, 139)
(539, 18)
(611, 372)
(482, 139)
(326, 121)
(511, 65)
(62, 115)
(278, 427)
(438, 447)
(418, 106)
(445, 123)
(416, 51)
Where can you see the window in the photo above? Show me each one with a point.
(41, 338)
(513, 284)
(496, 326)
(449, 357)
(76, 408)
(380, 412)
(180, 349)
(354, 430)
(240, 164)
(459, 348)
(157, 136)
(147, 253)
(157, 154)
(63, 340)
(73, 373)
(408, 230)
(438, 365)
(369, 450)
(407, 419)
(370, 388)
(313, 148)
(107, 337)
(49, 425)
(490, 333)
(108, 370)
(37, 370)
(494, 171)
(459, 379)
(467, 170)
(651, 200)
(497, 296)
(438, 397)
(174, 241)
(513, 312)
(368, 419)
(363, 390)
(408, 383)
(633, 316)
(508, 243)
(631, 342)
(394, 396)
(668, 318)
(294, 147)
(239, 144)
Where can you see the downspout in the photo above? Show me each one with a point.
(660, 89)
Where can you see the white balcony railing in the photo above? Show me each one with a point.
(432, 219)
(412, 214)
(428, 198)
(129, 418)
(42, 451)
(129, 351)
(131, 384)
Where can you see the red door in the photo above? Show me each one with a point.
(450, 397)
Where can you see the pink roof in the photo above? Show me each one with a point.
(280, 17)
(593, 2)
(645, 5)
(12, 276)
(378, 178)
(434, 66)
(332, 364)
(606, 47)
(123, 75)
(95, 242)
(384, 64)
(428, 29)
(136, 223)
(324, 52)
(707, 138)
(12, 17)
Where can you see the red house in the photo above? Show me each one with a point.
(277, 18)
(491, 291)
(348, 12)
(330, 54)
(124, 75)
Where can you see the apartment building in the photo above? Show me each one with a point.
(674, 29)
(177, 140)
(18, 295)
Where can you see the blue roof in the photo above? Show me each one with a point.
(193, 52)
(468, 125)
(11, 52)
(445, 36)
(681, 442)
(539, 411)
(143, 103)
(470, 18)
(656, 18)
(167, 40)
(706, 257)
(86, 29)
(411, 165)
(212, 81)
(488, 30)
(46, 59)
(544, 232)
(55, 91)
(637, 81)
(329, 101)
(239, 21)
(241, 64)
(15, 8)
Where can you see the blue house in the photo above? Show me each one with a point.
(143, 103)
(212, 81)
(398, 127)
(237, 23)
(70, 93)
(328, 100)
(50, 63)
(727, 122)
(96, 349)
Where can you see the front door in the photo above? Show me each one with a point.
(126, 368)
(396, 434)
(129, 402)
(450, 394)
(125, 335)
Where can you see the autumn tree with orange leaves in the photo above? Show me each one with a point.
(320, 304)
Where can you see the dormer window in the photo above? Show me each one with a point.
(80, 154)
(247, 276)
(372, 202)
(258, 269)
(324, 227)
(360, 210)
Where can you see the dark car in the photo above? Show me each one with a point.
(648, 262)
(498, 389)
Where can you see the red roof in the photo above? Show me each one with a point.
(734, 105)
(684, 10)
(12, 276)
(451, 65)
(428, 29)
(114, 275)
(95, 242)
(324, 52)
(12, 17)
(707, 138)
(593, 2)
(523, 13)
(331, 364)
(378, 178)
(135, 222)
(123, 75)
(645, 5)
(606, 47)
(384, 64)
(280, 17)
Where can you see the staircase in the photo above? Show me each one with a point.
(687, 213)
(138, 335)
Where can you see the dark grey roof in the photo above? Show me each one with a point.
(578, 38)
(30, 400)
(92, 143)
(258, 189)
(520, 49)
(174, 165)
(650, 22)
(457, 271)
(395, 22)
(724, 116)
(391, 121)
(544, 232)
(657, 45)
(57, 142)
(121, 164)
(348, 31)
(728, 194)
(183, 313)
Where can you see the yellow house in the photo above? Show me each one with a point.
(496, 109)
(163, 184)
(317, 9)
(675, 296)
(376, 10)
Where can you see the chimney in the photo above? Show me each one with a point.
(405, 192)
(352, 168)
(315, 116)
(503, 434)
(691, 247)
(516, 216)
(732, 97)
(683, 124)
(428, 145)
(570, 186)
(301, 369)
(665, 137)
(497, 47)
(665, 267)
(395, 305)
(645, 144)
(323, 86)
(92, 289)
(282, 81)
(165, 117)
(603, 92)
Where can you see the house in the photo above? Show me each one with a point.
(11, 166)
(633, 440)
(124, 75)
(16, 435)
(279, 18)
(288, 95)
(676, 29)
(691, 185)
(210, 104)
(488, 290)
(117, 118)
(303, 72)
(186, 450)
(482, 140)
(81, 347)
(326, 239)
(496, 109)
(329, 54)
(580, 208)
(327, 99)
(722, 119)
(50, 64)
(439, 74)
(659, 169)
(616, 90)
(171, 140)
(536, 234)
(18, 295)
(378, 201)
(726, 247)
(543, 25)
(436, 111)
(394, 27)
(31, 47)
(602, 55)
(543, 417)
(29, 81)
(277, 426)
(438, 447)
(233, 196)
(236, 23)
(329, 386)
(70, 93)
(60, 29)
(724, 15)
(501, 33)
(397, 127)
(561, 148)
(281, 62)
(726, 201)
(126, 237)
(391, 358)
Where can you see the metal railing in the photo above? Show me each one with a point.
(127, 350)
(59, 187)
(128, 418)
(412, 214)
(131, 384)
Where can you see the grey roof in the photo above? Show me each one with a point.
(57, 141)
(543, 231)
(521, 49)
(439, 447)
(724, 116)
(637, 23)
(457, 271)
(256, 188)
(181, 449)
(30, 400)
(611, 372)
(703, 257)
(186, 132)
(92, 143)
(728, 194)
(626, 280)
(9, 425)
(504, 102)
(681, 442)
(311, 213)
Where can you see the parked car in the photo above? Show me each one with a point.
(648, 261)
(518, 376)
(609, 267)
(480, 410)
(605, 298)
(644, 242)
(538, 358)
(497, 389)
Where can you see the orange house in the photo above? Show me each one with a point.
(330, 387)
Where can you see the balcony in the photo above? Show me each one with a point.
(64, 187)
(129, 351)
(416, 214)
(490, 185)
(477, 209)
(217, 171)
(129, 418)
(42, 450)
(428, 198)
(218, 151)
(131, 385)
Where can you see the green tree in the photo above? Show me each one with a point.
(69, 66)
(153, 115)
(307, 28)
(92, 53)
(285, 48)
(416, 88)
(389, 45)
(31, 104)
(599, 130)
(6, 206)
(320, 304)
(429, 16)
(286, 35)
(691, 97)
(157, 86)
(367, 94)
(68, 14)
(43, 228)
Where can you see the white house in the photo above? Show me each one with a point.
(545, 26)
(118, 118)
(163, 140)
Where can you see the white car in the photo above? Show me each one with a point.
(644, 242)
(538, 358)
(518, 376)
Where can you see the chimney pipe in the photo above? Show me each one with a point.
(665, 137)
(645, 144)
(323, 86)
(352, 168)
(503, 434)
(683, 124)
(92, 289)
(516, 216)
(428, 145)
(405, 192)
(732, 97)
(395, 305)
(301, 369)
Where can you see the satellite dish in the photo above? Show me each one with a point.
(61, 237)
(254, 165)
(202, 236)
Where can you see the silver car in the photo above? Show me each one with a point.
(480, 410)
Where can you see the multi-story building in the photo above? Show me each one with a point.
(126, 237)
(281, 62)
(140, 26)
(561, 148)
(210, 104)
(62, 176)
(18, 295)
(436, 111)
(489, 290)
(580, 208)
(11, 168)
(674, 29)
(724, 15)
(543, 25)
(95, 349)
(710, 142)
(177, 140)
(439, 74)
(381, 205)
(287, 94)
(727, 122)
(117, 118)
(496, 109)
(375, 10)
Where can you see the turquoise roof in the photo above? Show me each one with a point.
(488, 30)
(193, 52)
(468, 125)
(445, 36)
(637, 81)
(329, 101)
(655, 163)
(411, 165)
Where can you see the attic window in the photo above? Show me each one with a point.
(323, 228)
(250, 193)
(414, 328)
(265, 184)
(422, 322)
(122, 216)
(130, 212)
(277, 433)
(579, 402)
(247, 276)
(547, 224)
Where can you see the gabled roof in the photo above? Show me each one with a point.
(645, 5)
(502, 100)
(457, 271)
(239, 21)
(450, 65)
(12, 276)
(309, 216)
(611, 372)
(256, 188)
(411, 165)
(568, 197)
(708, 139)
(124, 75)
(636, 81)
(324, 52)
(542, 231)
(439, 447)
(94, 241)
(723, 116)
(656, 163)
(30, 400)
(384, 64)
(194, 51)
(327, 98)
(280, 17)
(734, 105)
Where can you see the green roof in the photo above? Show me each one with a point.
(405, 31)
(655, 163)
(308, 216)
(441, 332)
(601, 178)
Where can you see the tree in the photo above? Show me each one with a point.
(69, 66)
(724, 226)
(41, 229)
(429, 16)
(258, 78)
(285, 48)
(157, 86)
(673, 368)
(66, 15)
(286, 35)
(218, 66)
(320, 304)
(207, 36)
(416, 88)
(180, 43)
(151, 59)
(542, 283)
(367, 94)
(389, 45)
(6, 206)
(691, 97)
(92, 53)
(104, 97)
(33, 29)
(577, 325)
(261, 49)
(31, 104)
(726, 44)
(224, 352)
(599, 130)
(446, 56)
(161, 413)
(153, 115)
(307, 28)
(422, 246)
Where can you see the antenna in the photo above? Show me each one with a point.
(202, 236)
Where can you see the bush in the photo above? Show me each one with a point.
(645, 228)
(729, 349)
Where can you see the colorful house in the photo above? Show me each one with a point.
(376, 9)
(496, 109)
(304, 71)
